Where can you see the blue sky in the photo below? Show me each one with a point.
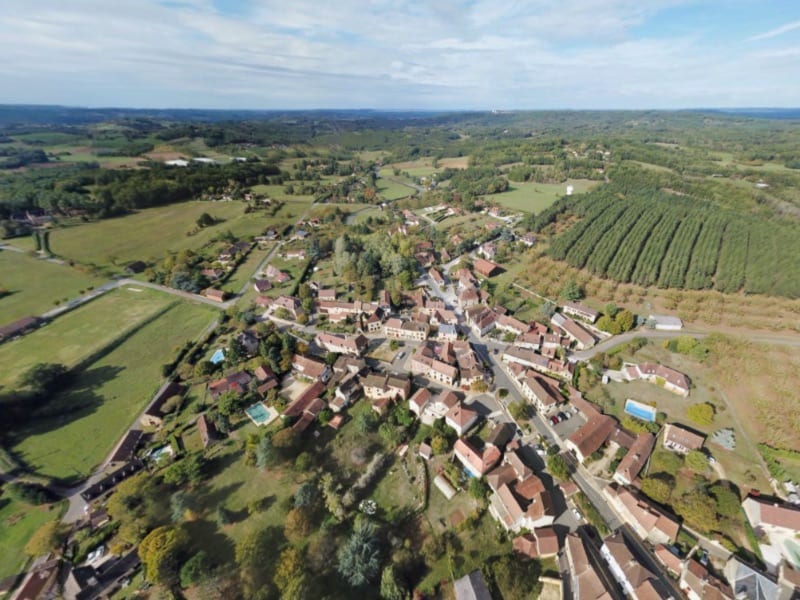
(401, 54)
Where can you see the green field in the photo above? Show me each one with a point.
(18, 522)
(77, 334)
(34, 285)
(244, 272)
(107, 396)
(535, 197)
(391, 190)
(149, 234)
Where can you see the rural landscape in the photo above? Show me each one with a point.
(428, 355)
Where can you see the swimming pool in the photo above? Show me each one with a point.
(260, 414)
(218, 356)
(640, 411)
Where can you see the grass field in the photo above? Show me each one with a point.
(77, 334)
(34, 285)
(18, 522)
(245, 271)
(392, 190)
(151, 233)
(535, 197)
(107, 396)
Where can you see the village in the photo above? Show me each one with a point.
(499, 393)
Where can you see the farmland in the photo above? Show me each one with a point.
(34, 285)
(535, 197)
(674, 242)
(105, 397)
(151, 233)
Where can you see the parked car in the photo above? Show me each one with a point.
(563, 416)
(554, 420)
(577, 514)
(540, 451)
(401, 354)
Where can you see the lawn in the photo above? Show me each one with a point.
(151, 233)
(106, 397)
(244, 272)
(391, 190)
(77, 334)
(34, 285)
(18, 522)
(535, 197)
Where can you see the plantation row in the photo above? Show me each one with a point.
(677, 242)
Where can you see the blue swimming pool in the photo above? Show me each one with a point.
(640, 411)
(218, 356)
(260, 414)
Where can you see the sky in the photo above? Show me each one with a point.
(401, 54)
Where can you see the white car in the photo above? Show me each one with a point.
(577, 514)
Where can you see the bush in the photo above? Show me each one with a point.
(702, 414)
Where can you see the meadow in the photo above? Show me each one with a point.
(18, 522)
(72, 337)
(150, 234)
(535, 197)
(88, 417)
(35, 285)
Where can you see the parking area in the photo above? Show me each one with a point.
(567, 427)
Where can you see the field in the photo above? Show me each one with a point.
(18, 522)
(151, 233)
(535, 197)
(106, 397)
(391, 190)
(34, 285)
(673, 242)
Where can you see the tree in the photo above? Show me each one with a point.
(224, 516)
(46, 539)
(610, 310)
(558, 467)
(297, 523)
(359, 560)
(519, 410)
(160, 553)
(516, 577)
(439, 444)
(187, 470)
(286, 442)
(626, 320)
(392, 585)
(366, 422)
(194, 570)
(44, 378)
(571, 291)
(699, 510)
(658, 487)
(696, 461)
(255, 553)
(728, 502)
(179, 503)
(205, 220)
(265, 452)
(288, 570)
(306, 495)
(609, 325)
(477, 488)
(702, 413)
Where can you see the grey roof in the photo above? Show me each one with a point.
(747, 583)
(471, 587)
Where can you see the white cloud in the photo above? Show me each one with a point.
(378, 53)
(785, 28)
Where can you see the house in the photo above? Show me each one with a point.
(519, 499)
(349, 364)
(634, 578)
(670, 379)
(488, 250)
(481, 319)
(328, 295)
(425, 452)
(436, 276)
(342, 344)
(669, 559)
(406, 330)
(779, 523)
(576, 309)
(593, 434)
(447, 332)
(460, 419)
(40, 582)
(305, 400)
(311, 368)
(681, 440)
(206, 430)
(212, 274)
(528, 239)
(633, 462)
(390, 386)
(579, 335)
(125, 449)
(698, 584)
(237, 383)
(347, 390)
(110, 481)
(541, 543)
(262, 285)
(500, 435)
(585, 582)
(542, 394)
(290, 304)
(267, 379)
(296, 254)
(512, 325)
(135, 267)
(747, 583)
(476, 462)
(486, 268)
(648, 521)
(664, 323)
(19, 327)
(152, 415)
(214, 294)
(429, 407)
(471, 587)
